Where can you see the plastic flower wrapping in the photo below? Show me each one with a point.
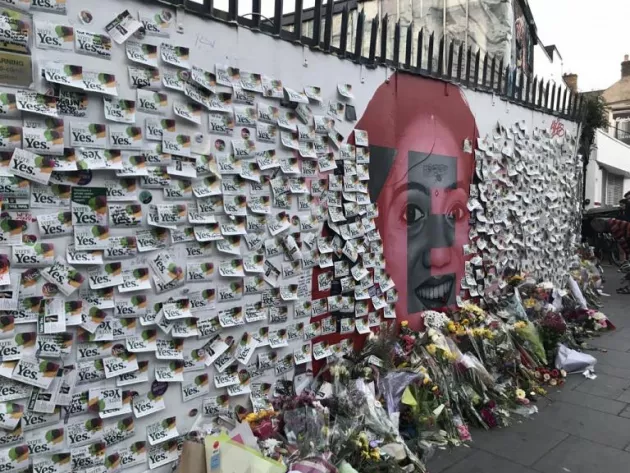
(407, 393)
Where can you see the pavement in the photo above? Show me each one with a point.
(583, 428)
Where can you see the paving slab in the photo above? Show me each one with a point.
(522, 443)
(483, 462)
(586, 423)
(617, 359)
(444, 459)
(605, 385)
(612, 370)
(590, 401)
(576, 455)
(611, 342)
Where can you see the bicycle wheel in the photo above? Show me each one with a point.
(614, 256)
(599, 254)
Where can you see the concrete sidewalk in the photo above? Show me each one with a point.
(586, 427)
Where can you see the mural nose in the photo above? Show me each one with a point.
(440, 257)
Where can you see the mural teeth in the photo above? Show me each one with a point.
(436, 292)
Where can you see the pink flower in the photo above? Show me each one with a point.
(464, 433)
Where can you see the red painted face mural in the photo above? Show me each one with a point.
(420, 177)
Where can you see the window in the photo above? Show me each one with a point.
(622, 129)
(612, 187)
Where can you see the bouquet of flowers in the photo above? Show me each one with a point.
(553, 329)
(527, 334)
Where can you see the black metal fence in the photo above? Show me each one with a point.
(434, 57)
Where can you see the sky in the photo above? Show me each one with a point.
(592, 36)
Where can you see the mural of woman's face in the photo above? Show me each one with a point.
(428, 208)
(420, 177)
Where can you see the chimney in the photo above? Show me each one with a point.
(625, 67)
(571, 80)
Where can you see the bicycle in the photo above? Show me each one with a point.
(606, 248)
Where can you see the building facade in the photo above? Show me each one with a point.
(617, 96)
(608, 172)
(549, 63)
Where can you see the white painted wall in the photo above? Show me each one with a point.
(545, 68)
(593, 190)
(611, 154)
(296, 66)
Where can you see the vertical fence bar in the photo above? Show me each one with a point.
(419, 51)
(541, 92)
(373, 37)
(408, 46)
(202, 9)
(552, 104)
(328, 23)
(484, 76)
(500, 79)
(460, 61)
(527, 84)
(534, 89)
(397, 44)
(358, 41)
(210, 7)
(383, 57)
(514, 86)
(570, 104)
(563, 110)
(317, 24)
(449, 63)
(440, 69)
(233, 10)
(277, 18)
(506, 90)
(468, 59)
(343, 41)
(546, 104)
(520, 87)
(477, 58)
(255, 14)
(297, 20)
(430, 58)
(559, 99)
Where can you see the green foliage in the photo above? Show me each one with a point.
(594, 116)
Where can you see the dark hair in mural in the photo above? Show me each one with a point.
(420, 177)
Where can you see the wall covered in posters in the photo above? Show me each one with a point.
(215, 210)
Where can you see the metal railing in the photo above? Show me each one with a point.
(622, 135)
(438, 58)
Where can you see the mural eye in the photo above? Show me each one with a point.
(456, 213)
(412, 214)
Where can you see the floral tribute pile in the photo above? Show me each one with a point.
(407, 393)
